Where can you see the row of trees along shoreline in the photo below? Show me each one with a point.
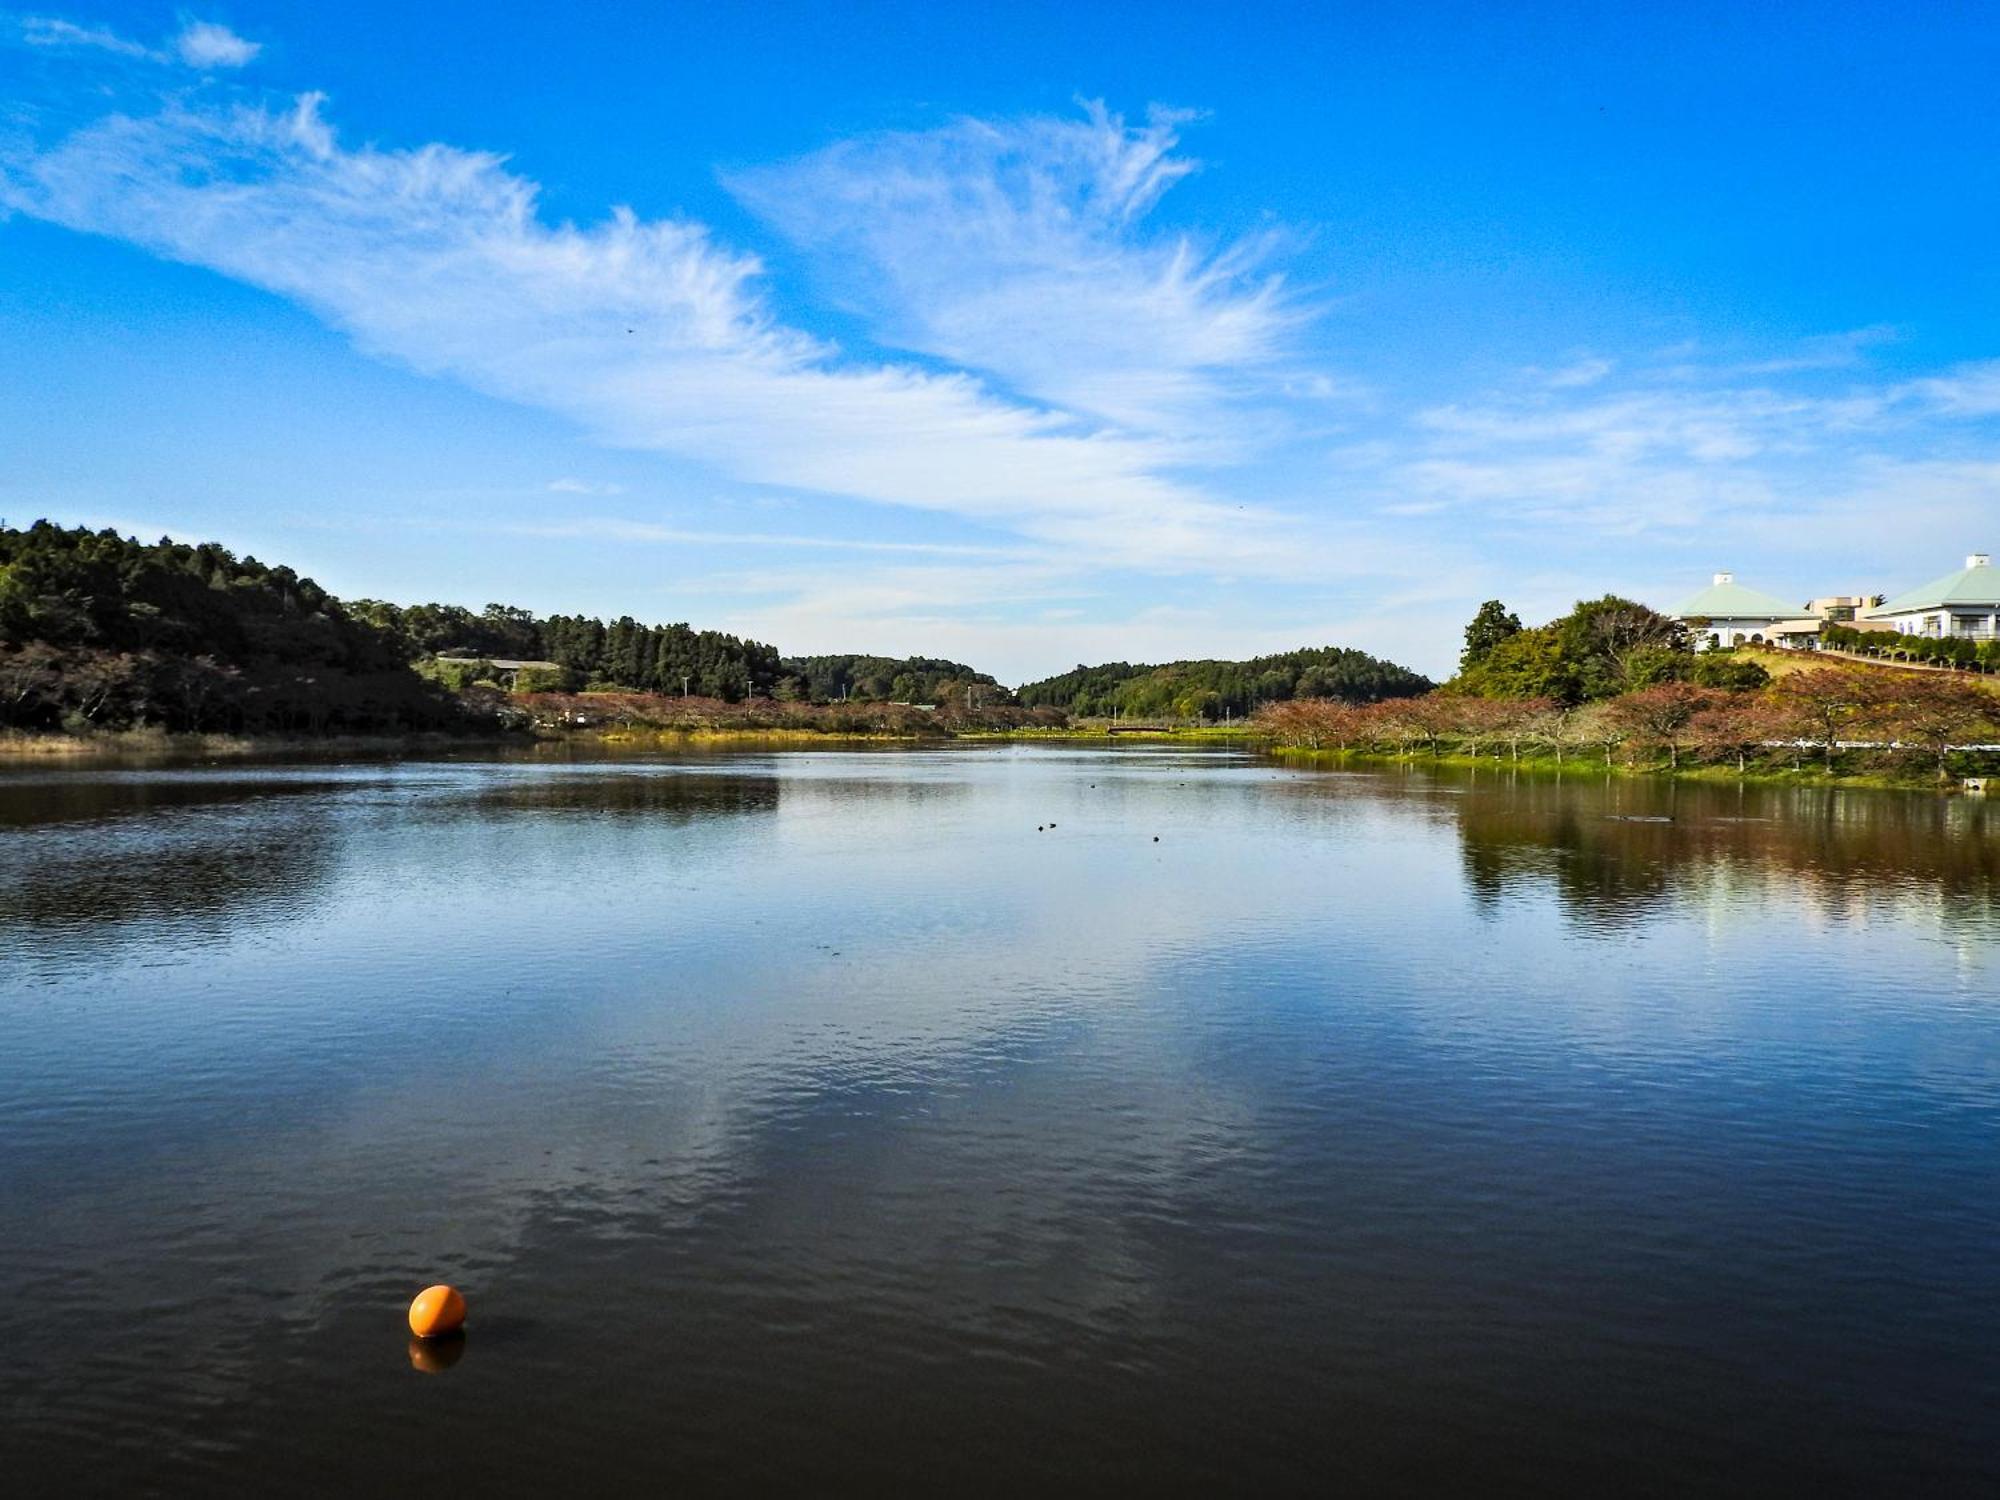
(1616, 679)
(1837, 716)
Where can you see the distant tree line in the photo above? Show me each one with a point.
(886, 679)
(855, 716)
(1845, 717)
(1943, 650)
(671, 659)
(1617, 679)
(1213, 690)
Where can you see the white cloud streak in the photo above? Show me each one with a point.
(1017, 248)
(1971, 390)
(50, 31)
(650, 334)
(1691, 448)
(202, 45)
(209, 44)
(653, 532)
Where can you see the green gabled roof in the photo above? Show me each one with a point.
(1732, 601)
(1975, 585)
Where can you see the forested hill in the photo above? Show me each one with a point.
(1215, 689)
(99, 631)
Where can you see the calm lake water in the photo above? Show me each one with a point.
(812, 1120)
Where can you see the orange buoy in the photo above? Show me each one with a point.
(438, 1310)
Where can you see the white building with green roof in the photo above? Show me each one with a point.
(1965, 604)
(1728, 614)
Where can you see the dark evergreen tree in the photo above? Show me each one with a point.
(1493, 624)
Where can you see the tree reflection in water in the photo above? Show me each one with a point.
(1621, 851)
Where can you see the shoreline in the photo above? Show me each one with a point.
(25, 748)
(807, 738)
(43, 749)
(19, 750)
(1585, 765)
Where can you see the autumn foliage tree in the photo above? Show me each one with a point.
(1734, 727)
(1660, 715)
(1825, 705)
(1938, 714)
(1528, 721)
(1820, 711)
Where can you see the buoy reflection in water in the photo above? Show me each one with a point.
(435, 1356)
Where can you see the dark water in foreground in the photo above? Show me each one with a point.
(810, 1120)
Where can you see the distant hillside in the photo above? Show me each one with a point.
(1780, 664)
(1215, 689)
(885, 679)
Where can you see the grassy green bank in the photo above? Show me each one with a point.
(154, 744)
(751, 735)
(1098, 734)
(1810, 773)
(148, 744)
(21, 747)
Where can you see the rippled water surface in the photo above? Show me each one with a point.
(811, 1120)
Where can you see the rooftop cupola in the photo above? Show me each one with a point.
(1727, 577)
(1978, 560)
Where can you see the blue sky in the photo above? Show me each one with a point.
(1025, 336)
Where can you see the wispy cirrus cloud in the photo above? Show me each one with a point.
(52, 31)
(199, 44)
(618, 530)
(1588, 370)
(1684, 445)
(1968, 390)
(1828, 351)
(1019, 248)
(649, 333)
(210, 44)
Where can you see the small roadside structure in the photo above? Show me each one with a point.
(506, 670)
(1800, 635)
(1727, 614)
(1964, 605)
